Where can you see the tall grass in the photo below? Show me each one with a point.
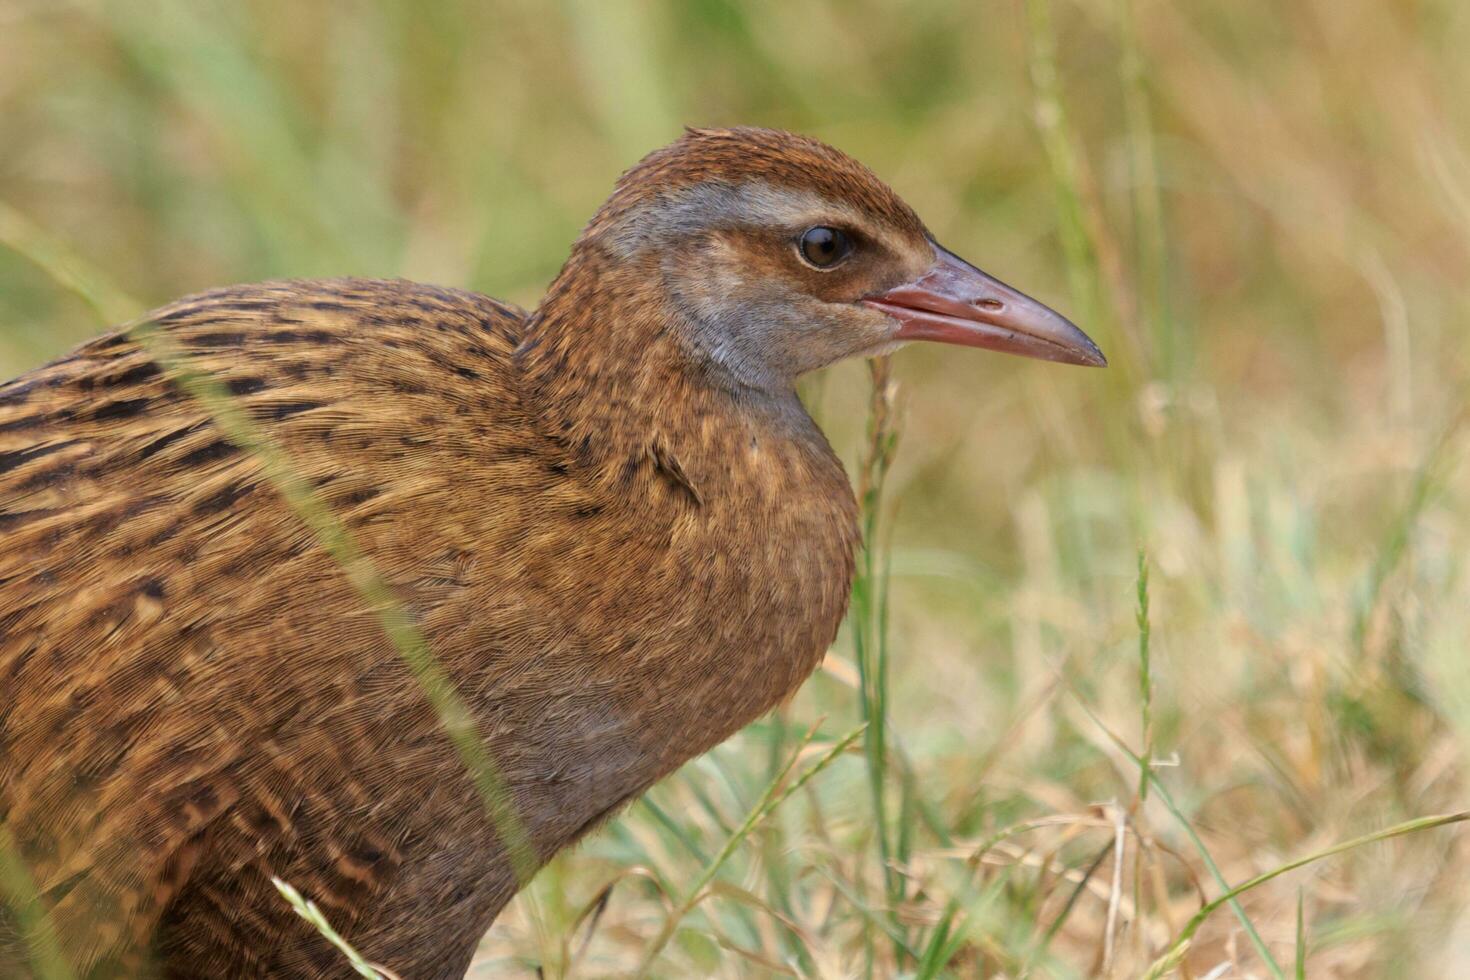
(1066, 768)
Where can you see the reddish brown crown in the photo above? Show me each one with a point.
(751, 153)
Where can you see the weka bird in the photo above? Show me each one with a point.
(619, 531)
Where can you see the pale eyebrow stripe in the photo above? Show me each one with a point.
(715, 203)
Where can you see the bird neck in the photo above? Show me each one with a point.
(606, 365)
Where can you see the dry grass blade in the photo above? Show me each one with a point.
(1180, 947)
(586, 922)
(1081, 882)
(749, 899)
(977, 853)
(770, 800)
(1261, 948)
(1115, 896)
(1262, 213)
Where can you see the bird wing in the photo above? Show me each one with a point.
(148, 562)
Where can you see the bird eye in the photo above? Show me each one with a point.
(824, 247)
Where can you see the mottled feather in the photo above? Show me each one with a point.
(619, 558)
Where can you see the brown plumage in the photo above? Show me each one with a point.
(611, 519)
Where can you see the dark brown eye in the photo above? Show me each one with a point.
(824, 247)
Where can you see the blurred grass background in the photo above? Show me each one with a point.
(1260, 210)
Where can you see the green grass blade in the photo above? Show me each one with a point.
(1261, 948)
(1176, 952)
(308, 911)
(770, 800)
(34, 925)
(1145, 679)
(67, 269)
(1039, 951)
(868, 620)
(77, 276)
(675, 829)
(453, 714)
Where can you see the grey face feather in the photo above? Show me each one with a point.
(764, 331)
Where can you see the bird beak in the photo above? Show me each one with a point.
(955, 303)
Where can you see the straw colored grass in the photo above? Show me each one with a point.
(1234, 756)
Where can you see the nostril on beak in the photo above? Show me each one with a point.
(955, 303)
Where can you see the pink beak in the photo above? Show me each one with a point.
(955, 303)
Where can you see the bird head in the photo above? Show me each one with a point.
(781, 255)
